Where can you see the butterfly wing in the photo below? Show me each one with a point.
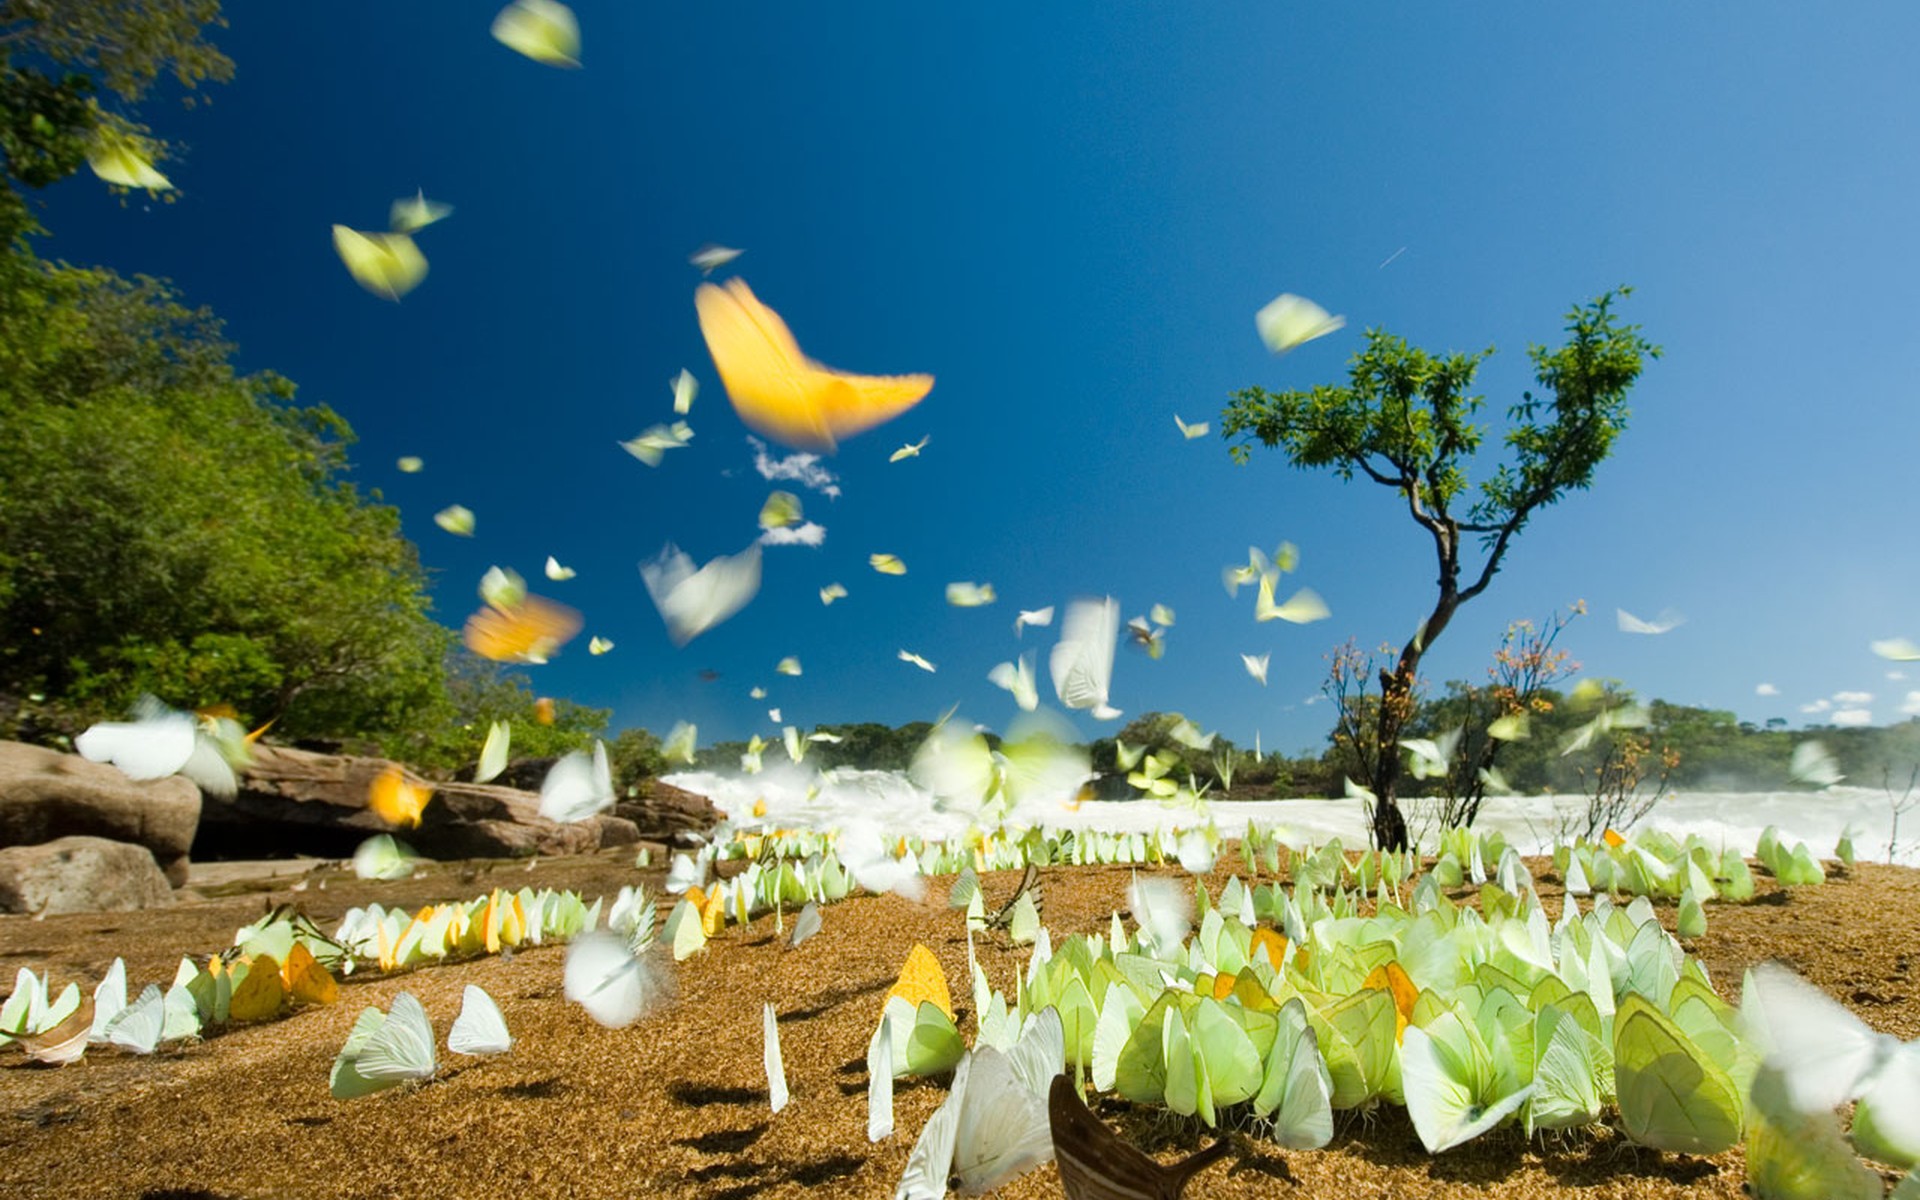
(480, 1028)
(772, 385)
(603, 976)
(402, 1049)
(148, 749)
(1003, 1130)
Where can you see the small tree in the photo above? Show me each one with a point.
(1404, 421)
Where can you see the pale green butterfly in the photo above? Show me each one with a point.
(544, 30)
(1671, 1095)
(385, 1049)
(493, 754)
(1291, 320)
(1450, 1083)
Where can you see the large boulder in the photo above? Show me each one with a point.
(80, 874)
(663, 812)
(301, 802)
(45, 795)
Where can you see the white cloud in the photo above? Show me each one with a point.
(1853, 716)
(803, 469)
(1896, 675)
(808, 534)
(1912, 707)
(1818, 706)
(1853, 699)
(1766, 689)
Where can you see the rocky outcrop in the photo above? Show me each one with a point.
(662, 812)
(297, 801)
(45, 795)
(80, 874)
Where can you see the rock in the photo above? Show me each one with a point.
(299, 802)
(81, 874)
(45, 795)
(662, 811)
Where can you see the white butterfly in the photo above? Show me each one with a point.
(805, 925)
(692, 602)
(916, 660)
(577, 786)
(1082, 661)
(557, 572)
(710, 257)
(1668, 619)
(1257, 667)
(1814, 763)
(880, 1082)
(1897, 649)
(606, 977)
(864, 854)
(1819, 1055)
(160, 742)
(480, 1028)
(1292, 320)
(1162, 909)
(109, 997)
(910, 450)
(1036, 616)
(776, 1066)
(1017, 677)
(1302, 607)
(1198, 429)
(137, 1026)
(993, 1124)
(832, 592)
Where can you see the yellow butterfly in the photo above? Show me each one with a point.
(780, 392)
(887, 564)
(386, 264)
(922, 981)
(832, 592)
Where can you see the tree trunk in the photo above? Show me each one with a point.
(1396, 708)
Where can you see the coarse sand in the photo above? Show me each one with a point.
(676, 1105)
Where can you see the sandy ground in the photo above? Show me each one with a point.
(676, 1105)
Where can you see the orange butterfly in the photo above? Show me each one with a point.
(780, 392)
(529, 631)
(397, 799)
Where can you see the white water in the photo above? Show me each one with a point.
(891, 801)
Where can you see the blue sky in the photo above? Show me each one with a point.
(1069, 217)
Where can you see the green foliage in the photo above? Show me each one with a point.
(635, 757)
(1405, 420)
(169, 526)
(57, 56)
(447, 734)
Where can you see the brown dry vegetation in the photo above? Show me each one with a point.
(676, 1105)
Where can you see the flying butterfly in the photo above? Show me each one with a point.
(780, 392)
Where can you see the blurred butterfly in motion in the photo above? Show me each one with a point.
(780, 392)
(1292, 320)
(515, 626)
(1096, 1165)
